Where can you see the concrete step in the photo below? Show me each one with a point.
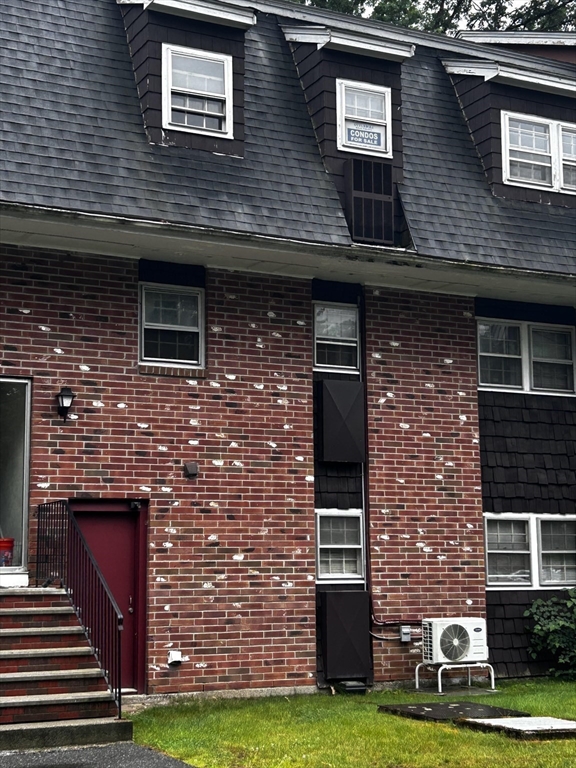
(46, 659)
(60, 706)
(64, 734)
(51, 682)
(41, 637)
(46, 616)
(36, 597)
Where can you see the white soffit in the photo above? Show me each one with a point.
(363, 45)
(499, 73)
(205, 10)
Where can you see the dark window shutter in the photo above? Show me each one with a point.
(369, 201)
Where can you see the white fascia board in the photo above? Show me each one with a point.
(205, 10)
(317, 36)
(363, 45)
(370, 46)
(511, 76)
(518, 38)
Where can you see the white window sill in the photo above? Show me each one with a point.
(516, 391)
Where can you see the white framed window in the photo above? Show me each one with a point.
(171, 325)
(529, 357)
(530, 550)
(339, 545)
(538, 153)
(336, 337)
(364, 118)
(197, 91)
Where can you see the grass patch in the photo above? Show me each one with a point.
(324, 731)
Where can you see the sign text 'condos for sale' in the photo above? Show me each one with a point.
(365, 134)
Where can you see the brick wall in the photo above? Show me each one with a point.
(235, 590)
(424, 472)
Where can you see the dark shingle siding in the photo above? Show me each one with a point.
(508, 632)
(75, 137)
(528, 452)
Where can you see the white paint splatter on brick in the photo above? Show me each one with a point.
(239, 556)
(218, 462)
(145, 488)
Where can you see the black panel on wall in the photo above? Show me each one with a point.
(345, 629)
(171, 274)
(518, 310)
(343, 421)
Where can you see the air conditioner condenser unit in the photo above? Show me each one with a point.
(454, 640)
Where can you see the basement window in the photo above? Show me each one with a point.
(527, 357)
(171, 328)
(364, 118)
(530, 551)
(336, 337)
(539, 153)
(340, 545)
(197, 91)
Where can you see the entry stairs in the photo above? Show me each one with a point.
(48, 671)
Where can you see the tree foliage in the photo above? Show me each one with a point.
(448, 15)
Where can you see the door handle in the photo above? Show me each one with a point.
(130, 609)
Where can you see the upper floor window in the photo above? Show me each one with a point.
(171, 328)
(197, 91)
(340, 545)
(364, 118)
(336, 337)
(530, 550)
(539, 153)
(526, 356)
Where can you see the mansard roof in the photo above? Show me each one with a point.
(74, 140)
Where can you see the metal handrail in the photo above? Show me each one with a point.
(62, 555)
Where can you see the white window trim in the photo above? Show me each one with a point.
(526, 354)
(167, 363)
(534, 543)
(337, 368)
(341, 86)
(167, 51)
(555, 127)
(341, 579)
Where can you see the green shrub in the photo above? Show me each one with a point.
(554, 632)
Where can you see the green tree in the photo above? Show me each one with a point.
(448, 15)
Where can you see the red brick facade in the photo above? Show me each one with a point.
(232, 553)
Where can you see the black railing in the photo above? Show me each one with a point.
(63, 557)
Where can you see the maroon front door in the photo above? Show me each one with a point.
(114, 533)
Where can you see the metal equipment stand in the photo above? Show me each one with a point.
(469, 667)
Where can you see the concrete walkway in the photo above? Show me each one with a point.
(121, 755)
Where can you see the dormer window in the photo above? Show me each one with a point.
(364, 118)
(539, 153)
(197, 91)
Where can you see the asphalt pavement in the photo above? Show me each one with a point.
(120, 755)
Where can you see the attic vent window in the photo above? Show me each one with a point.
(364, 118)
(197, 91)
(539, 153)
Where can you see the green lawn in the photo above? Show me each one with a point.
(324, 731)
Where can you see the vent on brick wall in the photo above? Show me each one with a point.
(369, 202)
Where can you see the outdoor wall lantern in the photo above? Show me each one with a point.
(64, 398)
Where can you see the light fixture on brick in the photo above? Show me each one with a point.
(65, 398)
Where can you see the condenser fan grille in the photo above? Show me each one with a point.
(455, 642)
